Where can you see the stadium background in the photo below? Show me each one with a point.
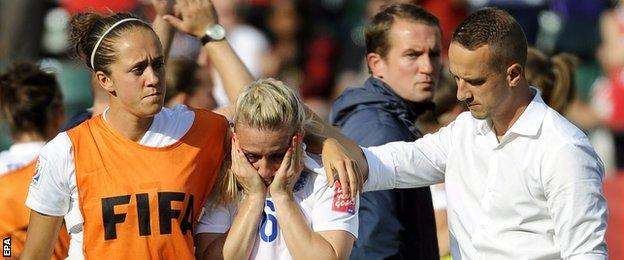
(318, 47)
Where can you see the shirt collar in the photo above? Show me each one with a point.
(531, 119)
(529, 122)
(483, 126)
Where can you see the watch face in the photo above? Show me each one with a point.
(216, 32)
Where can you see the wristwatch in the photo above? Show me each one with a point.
(216, 32)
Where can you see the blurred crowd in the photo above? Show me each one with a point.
(318, 47)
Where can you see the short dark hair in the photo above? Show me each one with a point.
(376, 31)
(497, 29)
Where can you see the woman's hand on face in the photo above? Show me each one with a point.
(197, 16)
(289, 171)
(244, 172)
(337, 160)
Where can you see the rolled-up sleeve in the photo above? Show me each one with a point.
(408, 164)
(381, 174)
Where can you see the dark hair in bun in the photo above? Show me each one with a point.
(86, 30)
(29, 98)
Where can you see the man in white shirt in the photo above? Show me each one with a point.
(522, 182)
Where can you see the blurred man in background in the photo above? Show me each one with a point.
(403, 45)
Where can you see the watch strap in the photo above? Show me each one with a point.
(205, 39)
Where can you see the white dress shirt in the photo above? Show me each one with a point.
(536, 194)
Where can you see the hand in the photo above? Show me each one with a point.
(289, 171)
(336, 159)
(245, 173)
(162, 7)
(197, 16)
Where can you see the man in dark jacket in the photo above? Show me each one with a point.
(403, 55)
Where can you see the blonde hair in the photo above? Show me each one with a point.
(265, 104)
(553, 76)
(268, 104)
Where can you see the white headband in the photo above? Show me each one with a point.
(97, 44)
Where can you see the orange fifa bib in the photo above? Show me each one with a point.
(14, 215)
(142, 202)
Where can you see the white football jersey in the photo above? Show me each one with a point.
(19, 155)
(324, 208)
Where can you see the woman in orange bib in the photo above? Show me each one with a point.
(31, 104)
(131, 182)
(139, 173)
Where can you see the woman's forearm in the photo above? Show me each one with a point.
(165, 33)
(234, 74)
(244, 230)
(320, 132)
(43, 231)
(301, 240)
